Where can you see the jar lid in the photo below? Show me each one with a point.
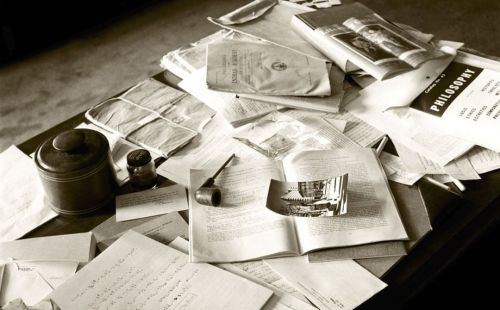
(138, 158)
(71, 151)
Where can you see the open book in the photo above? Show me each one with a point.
(244, 229)
(355, 37)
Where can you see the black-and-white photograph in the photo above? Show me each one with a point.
(363, 46)
(387, 39)
(326, 197)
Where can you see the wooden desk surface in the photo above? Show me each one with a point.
(457, 223)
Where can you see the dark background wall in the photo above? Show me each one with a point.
(28, 25)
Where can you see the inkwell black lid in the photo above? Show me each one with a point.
(138, 158)
(72, 152)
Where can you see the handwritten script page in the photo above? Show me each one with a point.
(22, 206)
(140, 273)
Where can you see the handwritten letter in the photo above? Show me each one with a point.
(139, 273)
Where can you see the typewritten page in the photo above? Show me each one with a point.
(372, 214)
(241, 228)
(214, 145)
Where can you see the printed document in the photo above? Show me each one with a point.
(22, 198)
(285, 296)
(164, 229)
(401, 173)
(250, 67)
(217, 234)
(272, 26)
(138, 272)
(329, 285)
(151, 202)
(460, 168)
(209, 149)
(235, 110)
(71, 247)
(484, 160)
(463, 101)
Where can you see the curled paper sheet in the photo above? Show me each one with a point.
(246, 13)
(327, 197)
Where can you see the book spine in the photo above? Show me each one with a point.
(306, 21)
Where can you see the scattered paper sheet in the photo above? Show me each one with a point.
(417, 224)
(110, 228)
(337, 123)
(329, 285)
(459, 168)
(54, 272)
(463, 102)
(285, 296)
(164, 229)
(208, 150)
(235, 110)
(436, 146)
(259, 67)
(278, 134)
(402, 174)
(484, 160)
(356, 129)
(72, 247)
(321, 4)
(18, 304)
(379, 249)
(151, 202)
(274, 27)
(26, 284)
(32, 281)
(249, 12)
(141, 273)
(22, 205)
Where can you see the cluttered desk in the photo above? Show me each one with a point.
(295, 159)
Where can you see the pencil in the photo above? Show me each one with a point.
(382, 144)
(458, 184)
(437, 183)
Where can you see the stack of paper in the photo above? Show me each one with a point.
(31, 269)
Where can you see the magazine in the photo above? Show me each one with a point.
(243, 228)
(463, 100)
(354, 37)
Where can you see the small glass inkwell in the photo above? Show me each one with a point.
(141, 169)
